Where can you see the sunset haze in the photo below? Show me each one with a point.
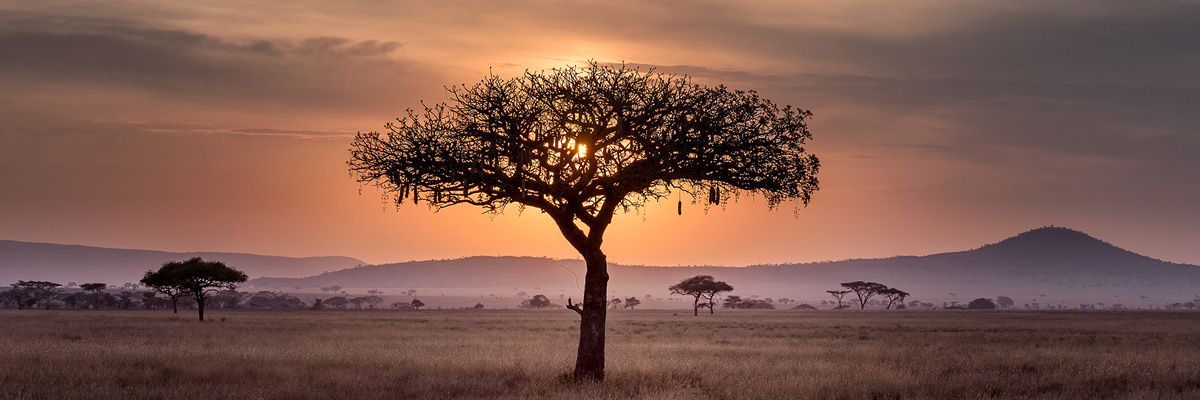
(940, 125)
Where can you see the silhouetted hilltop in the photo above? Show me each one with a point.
(1040, 260)
(71, 263)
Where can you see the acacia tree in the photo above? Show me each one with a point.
(864, 291)
(579, 144)
(838, 294)
(894, 296)
(701, 287)
(164, 283)
(194, 277)
(32, 293)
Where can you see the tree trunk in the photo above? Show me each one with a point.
(175, 305)
(696, 307)
(200, 306)
(589, 364)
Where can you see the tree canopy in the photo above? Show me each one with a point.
(195, 277)
(864, 291)
(701, 287)
(580, 144)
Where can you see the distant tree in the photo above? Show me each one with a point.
(864, 291)
(631, 302)
(149, 300)
(411, 292)
(95, 288)
(522, 294)
(580, 144)
(615, 303)
(13, 298)
(267, 300)
(804, 307)
(338, 302)
(700, 287)
(318, 304)
(894, 296)
(358, 302)
(335, 289)
(838, 294)
(731, 302)
(374, 292)
(69, 300)
(125, 300)
(478, 306)
(738, 302)
(194, 277)
(981, 304)
(32, 293)
(1004, 301)
(539, 302)
(417, 304)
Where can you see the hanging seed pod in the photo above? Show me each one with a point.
(680, 207)
(414, 196)
(712, 195)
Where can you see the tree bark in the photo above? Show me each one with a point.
(589, 364)
(200, 306)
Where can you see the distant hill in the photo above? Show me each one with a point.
(70, 263)
(1055, 260)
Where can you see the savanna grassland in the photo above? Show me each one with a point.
(741, 354)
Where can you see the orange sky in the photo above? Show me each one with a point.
(941, 126)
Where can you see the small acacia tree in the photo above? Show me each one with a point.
(164, 283)
(838, 295)
(194, 277)
(32, 293)
(579, 144)
(864, 290)
(701, 287)
(894, 296)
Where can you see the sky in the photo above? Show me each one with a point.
(940, 125)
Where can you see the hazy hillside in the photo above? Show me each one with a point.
(1059, 261)
(69, 263)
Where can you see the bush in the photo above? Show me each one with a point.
(981, 304)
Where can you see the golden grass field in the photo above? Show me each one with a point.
(771, 354)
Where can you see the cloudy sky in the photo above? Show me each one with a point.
(941, 125)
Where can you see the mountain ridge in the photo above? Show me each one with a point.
(1040, 260)
(61, 262)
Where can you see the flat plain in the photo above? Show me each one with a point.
(657, 354)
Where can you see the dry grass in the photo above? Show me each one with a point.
(651, 354)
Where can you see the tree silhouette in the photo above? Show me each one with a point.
(579, 144)
(981, 304)
(700, 287)
(894, 296)
(194, 277)
(631, 302)
(838, 294)
(1006, 302)
(31, 293)
(864, 291)
(417, 304)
